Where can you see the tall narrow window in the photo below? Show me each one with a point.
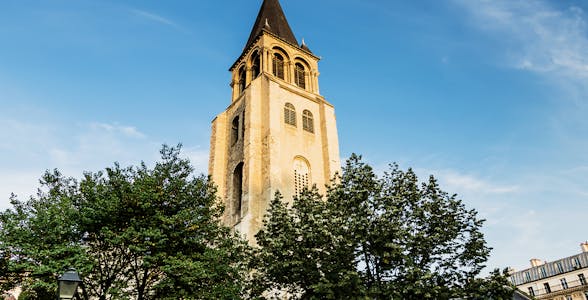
(278, 65)
(238, 189)
(577, 263)
(255, 63)
(299, 76)
(547, 288)
(582, 279)
(301, 175)
(307, 121)
(564, 283)
(243, 127)
(241, 82)
(531, 291)
(289, 114)
(235, 130)
(560, 267)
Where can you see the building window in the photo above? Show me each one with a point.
(278, 65)
(560, 267)
(238, 189)
(235, 130)
(527, 277)
(586, 295)
(531, 291)
(543, 272)
(290, 114)
(547, 288)
(564, 283)
(582, 279)
(307, 121)
(241, 82)
(301, 175)
(255, 65)
(568, 297)
(299, 76)
(577, 263)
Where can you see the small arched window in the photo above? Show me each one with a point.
(255, 63)
(241, 82)
(307, 121)
(290, 114)
(301, 175)
(278, 65)
(299, 76)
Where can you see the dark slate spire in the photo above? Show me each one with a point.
(271, 18)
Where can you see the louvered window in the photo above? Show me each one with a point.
(290, 114)
(307, 121)
(301, 175)
(278, 65)
(299, 76)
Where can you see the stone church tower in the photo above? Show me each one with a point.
(278, 133)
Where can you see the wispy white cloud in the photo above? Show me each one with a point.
(28, 148)
(128, 131)
(462, 183)
(157, 18)
(470, 183)
(545, 39)
(198, 158)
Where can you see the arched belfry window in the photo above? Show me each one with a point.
(299, 76)
(301, 174)
(289, 114)
(255, 65)
(278, 65)
(238, 189)
(241, 80)
(307, 121)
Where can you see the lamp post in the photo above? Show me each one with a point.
(67, 284)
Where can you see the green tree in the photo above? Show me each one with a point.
(302, 252)
(132, 233)
(379, 238)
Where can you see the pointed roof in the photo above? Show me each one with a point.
(271, 18)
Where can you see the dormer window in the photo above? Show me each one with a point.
(278, 65)
(299, 76)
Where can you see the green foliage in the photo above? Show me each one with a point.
(304, 253)
(375, 238)
(132, 233)
(495, 286)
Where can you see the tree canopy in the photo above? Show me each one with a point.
(132, 233)
(155, 233)
(378, 238)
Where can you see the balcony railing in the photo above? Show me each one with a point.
(575, 285)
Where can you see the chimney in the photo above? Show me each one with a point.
(535, 262)
(584, 246)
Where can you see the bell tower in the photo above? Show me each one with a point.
(278, 133)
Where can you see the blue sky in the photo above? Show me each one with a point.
(491, 97)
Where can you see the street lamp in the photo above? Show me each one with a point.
(68, 284)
